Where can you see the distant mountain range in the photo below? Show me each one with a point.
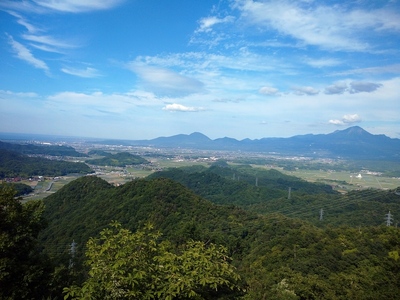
(350, 143)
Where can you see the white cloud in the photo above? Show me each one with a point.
(76, 6)
(24, 54)
(360, 86)
(336, 122)
(337, 88)
(206, 24)
(346, 119)
(182, 108)
(85, 73)
(266, 90)
(352, 87)
(354, 118)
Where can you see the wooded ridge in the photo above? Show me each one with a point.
(276, 256)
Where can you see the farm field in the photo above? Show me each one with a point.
(342, 181)
(41, 188)
(347, 180)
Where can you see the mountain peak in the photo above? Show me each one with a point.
(199, 136)
(354, 131)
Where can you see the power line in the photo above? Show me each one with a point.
(335, 204)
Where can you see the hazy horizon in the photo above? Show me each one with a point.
(13, 135)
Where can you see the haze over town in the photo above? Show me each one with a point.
(239, 68)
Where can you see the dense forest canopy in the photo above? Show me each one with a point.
(13, 164)
(277, 257)
(270, 191)
(99, 152)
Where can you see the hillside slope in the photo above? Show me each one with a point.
(278, 257)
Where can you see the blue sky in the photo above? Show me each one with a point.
(141, 69)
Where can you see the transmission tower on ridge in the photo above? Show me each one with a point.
(389, 219)
(72, 251)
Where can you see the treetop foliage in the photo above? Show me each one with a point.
(126, 265)
(21, 270)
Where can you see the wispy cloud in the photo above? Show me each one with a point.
(206, 24)
(36, 39)
(323, 62)
(92, 104)
(165, 81)
(242, 59)
(77, 6)
(388, 69)
(23, 22)
(330, 27)
(48, 43)
(25, 54)
(181, 108)
(85, 73)
(21, 6)
(305, 90)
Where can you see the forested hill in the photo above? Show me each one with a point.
(241, 185)
(121, 159)
(13, 164)
(277, 257)
(85, 206)
(267, 191)
(32, 149)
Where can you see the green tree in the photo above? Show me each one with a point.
(126, 265)
(22, 275)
